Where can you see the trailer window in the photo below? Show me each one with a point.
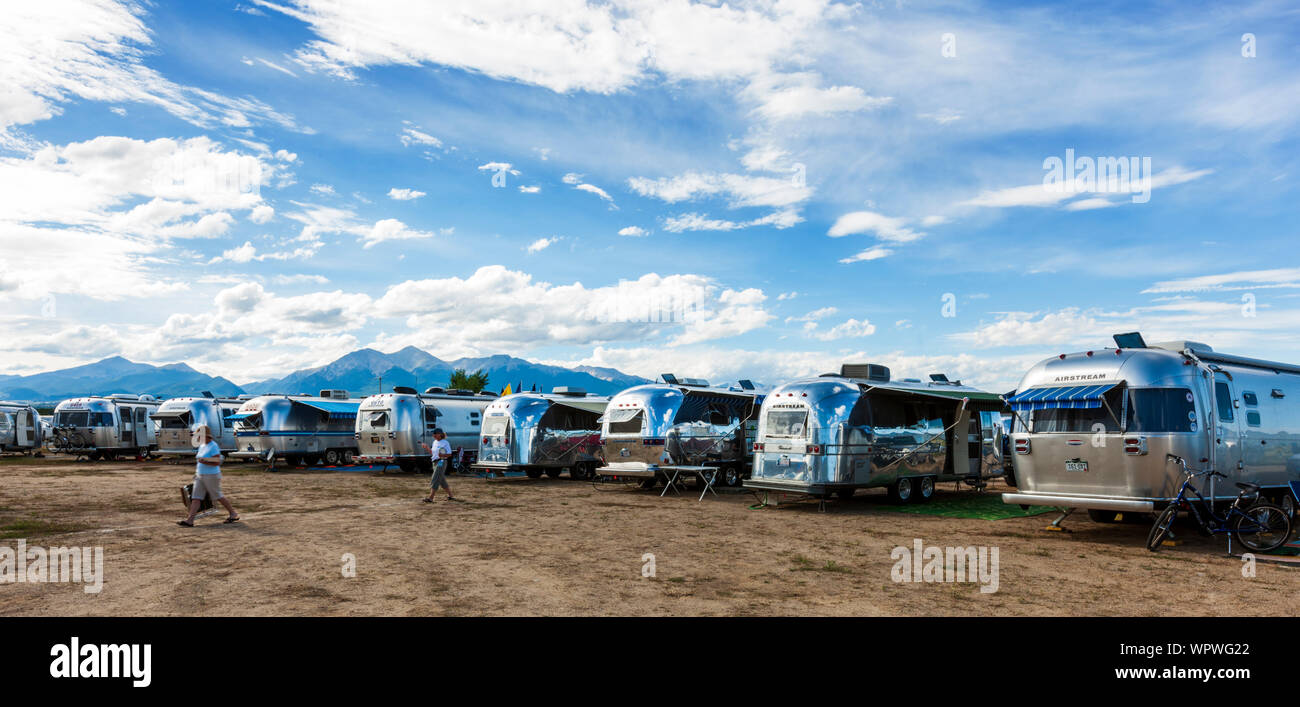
(1224, 397)
(71, 419)
(1161, 410)
(1252, 418)
(1250, 399)
(101, 419)
(495, 426)
(249, 423)
(377, 420)
(174, 422)
(787, 423)
(625, 422)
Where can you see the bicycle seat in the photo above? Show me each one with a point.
(1247, 486)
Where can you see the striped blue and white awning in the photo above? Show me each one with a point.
(1068, 397)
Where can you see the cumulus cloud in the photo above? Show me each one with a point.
(633, 231)
(404, 194)
(541, 244)
(390, 229)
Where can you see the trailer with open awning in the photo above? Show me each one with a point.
(838, 433)
(542, 433)
(1094, 429)
(297, 429)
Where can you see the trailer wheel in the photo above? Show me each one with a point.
(554, 472)
(901, 490)
(924, 490)
(533, 473)
(580, 471)
(732, 477)
(93, 456)
(1009, 476)
(332, 457)
(1097, 516)
(348, 459)
(648, 483)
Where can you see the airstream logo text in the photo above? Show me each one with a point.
(82, 565)
(1080, 377)
(946, 564)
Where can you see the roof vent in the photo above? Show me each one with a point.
(334, 394)
(435, 390)
(865, 371)
(404, 390)
(669, 378)
(568, 390)
(746, 384)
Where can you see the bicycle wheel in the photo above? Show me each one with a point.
(1262, 527)
(1164, 523)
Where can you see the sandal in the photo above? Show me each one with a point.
(185, 523)
(232, 520)
(427, 500)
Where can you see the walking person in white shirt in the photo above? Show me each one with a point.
(207, 477)
(441, 453)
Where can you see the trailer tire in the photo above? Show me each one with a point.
(533, 473)
(332, 457)
(732, 477)
(1099, 516)
(554, 472)
(348, 459)
(94, 456)
(580, 472)
(923, 490)
(901, 490)
(1009, 477)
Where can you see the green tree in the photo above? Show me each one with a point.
(475, 381)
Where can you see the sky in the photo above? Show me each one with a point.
(757, 190)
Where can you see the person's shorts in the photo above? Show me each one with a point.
(207, 486)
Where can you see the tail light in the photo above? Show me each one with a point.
(485, 440)
(814, 449)
(1022, 446)
(356, 435)
(758, 446)
(1135, 445)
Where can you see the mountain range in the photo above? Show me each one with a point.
(360, 373)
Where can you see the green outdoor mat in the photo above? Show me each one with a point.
(984, 506)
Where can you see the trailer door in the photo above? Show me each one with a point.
(1228, 428)
(126, 423)
(26, 432)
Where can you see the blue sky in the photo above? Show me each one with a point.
(256, 187)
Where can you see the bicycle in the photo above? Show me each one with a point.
(1261, 527)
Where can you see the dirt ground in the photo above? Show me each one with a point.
(562, 547)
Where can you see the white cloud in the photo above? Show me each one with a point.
(1050, 195)
(390, 229)
(261, 214)
(595, 190)
(322, 189)
(738, 189)
(404, 194)
(497, 309)
(885, 228)
(1232, 281)
(787, 96)
(95, 50)
(813, 315)
(413, 136)
(529, 190)
(633, 231)
(541, 244)
(850, 328)
(571, 178)
(873, 253)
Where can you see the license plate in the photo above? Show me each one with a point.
(374, 440)
(1076, 466)
(783, 460)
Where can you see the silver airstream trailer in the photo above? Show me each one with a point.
(650, 431)
(299, 429)
(392, 428)
(103, 427)
(542, 433)
(177, 418)
(20, 428)
(1094, 428)
(835, 434)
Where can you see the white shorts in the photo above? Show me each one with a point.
(207, 486)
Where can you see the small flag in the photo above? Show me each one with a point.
(506, 391)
